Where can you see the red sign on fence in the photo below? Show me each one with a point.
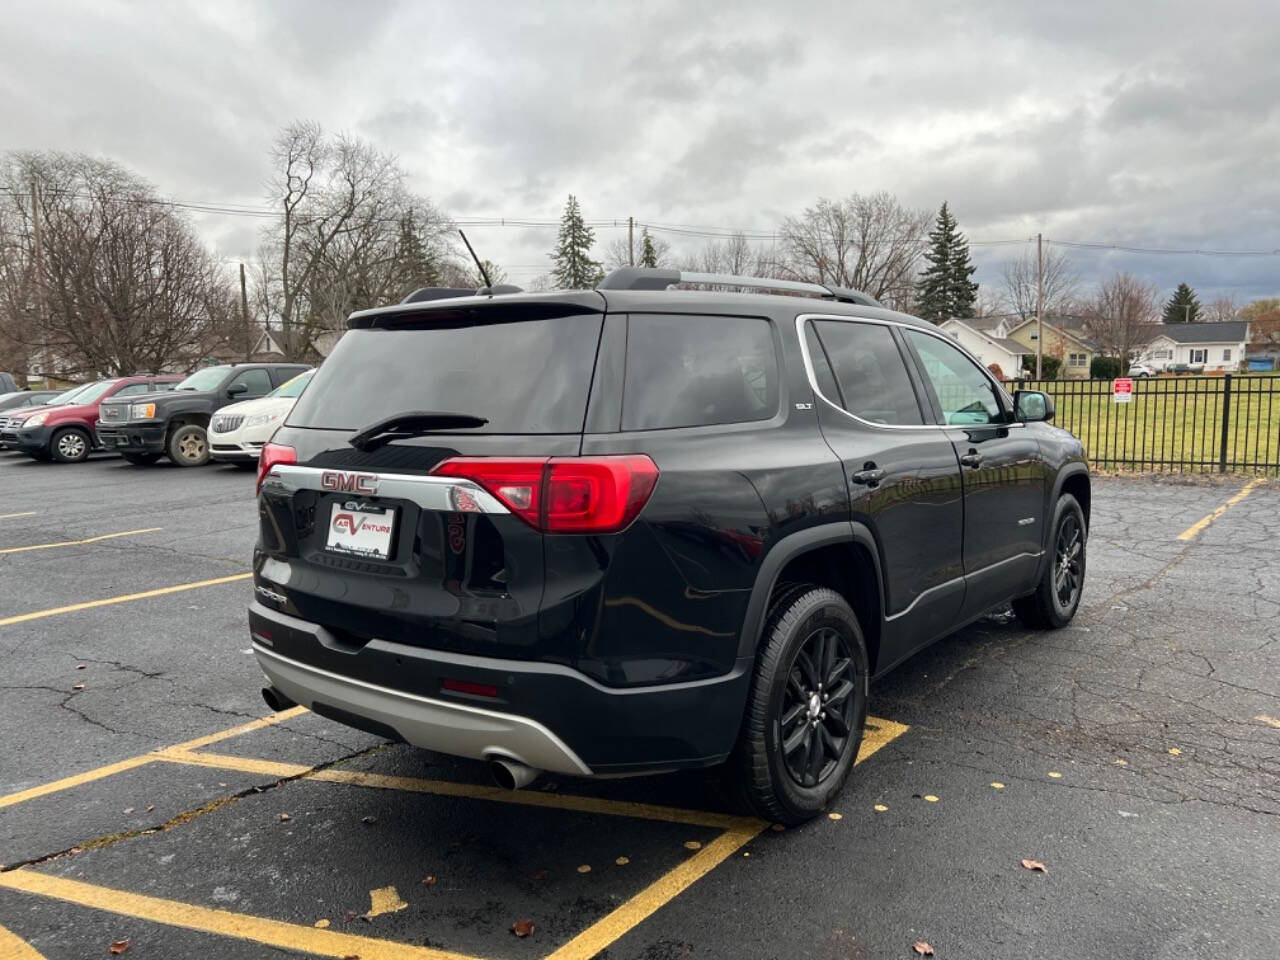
(1122, 390)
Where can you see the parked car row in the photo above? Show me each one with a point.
(146, 417)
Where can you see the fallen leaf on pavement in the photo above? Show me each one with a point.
(78, 686)
(79, 666)
(428, 881)
(692, 845)
(119, 947)
(369, 820)
(128, 809)
(285, 818)
(522, 928)
(150, 808)
(348, 917)
(322, 923)
(585, 868)
(1175, 752)
(352, 956)
(922, 948)
(1035, 865)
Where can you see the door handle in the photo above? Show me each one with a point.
(870, 475)
(971, 459)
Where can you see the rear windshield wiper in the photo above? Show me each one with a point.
(414, 423)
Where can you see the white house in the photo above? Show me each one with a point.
(1207, 346)
(987, 346)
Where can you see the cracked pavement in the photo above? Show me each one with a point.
(1158, 709)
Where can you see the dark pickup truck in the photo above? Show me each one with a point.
(174, 424)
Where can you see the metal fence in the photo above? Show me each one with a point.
(1182, 424)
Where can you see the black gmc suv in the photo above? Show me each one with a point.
(637, 529)
(176, 423)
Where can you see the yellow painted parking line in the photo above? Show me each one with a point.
(230, 732)
(125, 598)
(655, 896)
(174, 913)
(737, 832)
(12, 516)
(74, 781)
(111, 769)
(15, 948)
(80, 543)
(1200, 525)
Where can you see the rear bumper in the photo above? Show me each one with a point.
(547, 716)
(131, 437)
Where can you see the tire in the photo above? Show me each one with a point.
(141, 459)
(189, 446)
(70, 445)
(1056, 600)
(783, 706)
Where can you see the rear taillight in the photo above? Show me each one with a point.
(564, 494)
(272, 455)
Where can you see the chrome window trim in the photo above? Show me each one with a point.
(427, 491)
(813, 379)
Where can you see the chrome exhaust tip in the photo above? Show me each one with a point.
(511, 775)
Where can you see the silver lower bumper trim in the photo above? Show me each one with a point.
(452, 728)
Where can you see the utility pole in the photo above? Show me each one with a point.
(37, 260)
(244, 317)
(1039, 306)
(631, 240)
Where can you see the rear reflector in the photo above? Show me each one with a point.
(466, 686)
(564, 494)
(274, 454)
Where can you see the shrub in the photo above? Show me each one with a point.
(1051, 366)
(1105, 368)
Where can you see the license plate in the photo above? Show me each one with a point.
(364, 532)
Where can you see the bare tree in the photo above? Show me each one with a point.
(1221, 310)
(617, 252)
(120, 284)
(350, 234)
(1120, 312)
(1021, 285)
(871, 243)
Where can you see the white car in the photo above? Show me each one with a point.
(1142, 368)
(238, 431)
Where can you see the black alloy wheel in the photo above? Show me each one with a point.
(815, 716)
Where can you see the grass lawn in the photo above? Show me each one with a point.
(1172, 423)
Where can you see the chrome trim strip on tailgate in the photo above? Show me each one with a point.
(449, 494)
(452, 728)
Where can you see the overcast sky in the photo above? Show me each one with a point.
(1140, 123)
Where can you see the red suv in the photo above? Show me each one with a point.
(65, 432)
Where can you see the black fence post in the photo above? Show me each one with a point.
(1226, 422)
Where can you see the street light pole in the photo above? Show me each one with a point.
(1039, 306)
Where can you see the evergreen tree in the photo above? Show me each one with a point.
(574, 269)
(944, 288)
(1183, 306)
(648, 255)
(413, 265)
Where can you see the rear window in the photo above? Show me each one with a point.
(529, 376)
(690, 371)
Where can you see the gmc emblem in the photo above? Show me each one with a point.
(336, 480)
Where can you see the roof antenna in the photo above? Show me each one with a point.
(488, 284)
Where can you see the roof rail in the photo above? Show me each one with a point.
(656, 278)
(425, 294)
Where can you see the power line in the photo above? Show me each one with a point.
(674, 229)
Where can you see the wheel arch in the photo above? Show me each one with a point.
(1073, 479)
(843, 556)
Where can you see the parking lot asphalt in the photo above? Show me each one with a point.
(143, 796)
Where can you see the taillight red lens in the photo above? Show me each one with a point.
(517, 482)
(274, 454)
(564, 494)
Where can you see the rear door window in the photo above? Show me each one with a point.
(523, 376)
(692, 371)
(131, 390)
(872, 374)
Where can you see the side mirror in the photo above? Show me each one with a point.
(1032, 406)
(236, 389)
